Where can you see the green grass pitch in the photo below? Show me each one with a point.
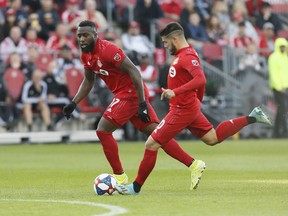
(245, 177)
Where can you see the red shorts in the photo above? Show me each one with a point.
(178, 119)
(121, 110)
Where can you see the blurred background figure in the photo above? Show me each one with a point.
(72, 15)
(34, 99)
(278, 77)
(13, 43)
(135, 43)
(267, 40)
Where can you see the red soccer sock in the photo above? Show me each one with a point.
(230, 127)
(146, 166)
(110, 148)
(173, 149)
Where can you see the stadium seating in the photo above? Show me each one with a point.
(14, 80)
(43, 60)
(212, 52)
(74, 79)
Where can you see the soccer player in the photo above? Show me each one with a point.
(130, 96)
(186, 83)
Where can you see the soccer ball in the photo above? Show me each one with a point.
(104, 184)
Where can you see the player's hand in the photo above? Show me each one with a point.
(167, 93)
(68, 109)
(143, 112)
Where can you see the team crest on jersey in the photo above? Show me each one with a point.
(175, 61)
(195, 62)
(172, 72)
(99, 63)
(117, 57)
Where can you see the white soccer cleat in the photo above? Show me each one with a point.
(260, 116)
(126, 189)
(197, 168)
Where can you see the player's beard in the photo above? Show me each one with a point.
(173, 49)
(88, 48)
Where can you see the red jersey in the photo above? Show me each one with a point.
(104, 60)
(186, 78)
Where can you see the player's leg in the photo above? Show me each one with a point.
(116, 114)
(229, 127)
(145, 168)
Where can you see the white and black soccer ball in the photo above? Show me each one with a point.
(104, 184)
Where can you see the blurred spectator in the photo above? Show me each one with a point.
(188, 7)
(204, 7)
(7, 111)
(33, 40)
(278, 78)
(21, 15)
(251, 61)
(60, 39)
(215, 32)
(145, 12)
(111, 35)
(64, 62)
(237, 20)
(267, 40)
(57, 95)
(241, 40)
(33, 22)
(13, 43)
(91, 13)
(72, 15)
(172, 9)
(135, 43)
(34, 99)
(15, 61)
(196, 35)
(10, 21)
(33, 53)
(221, 10)
(268, 16)
(239, 7)
(253, 77)
(149, 74)
(48, 18)
(31, 5)
(254, 9)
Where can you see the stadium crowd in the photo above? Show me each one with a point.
(38, 46)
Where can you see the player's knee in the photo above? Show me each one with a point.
(211, 142)
(151, 144)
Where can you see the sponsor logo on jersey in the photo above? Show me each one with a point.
(195, 62)
(117, 57)
(172, 72)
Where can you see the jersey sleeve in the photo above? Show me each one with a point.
(114, 55)
(192, 66)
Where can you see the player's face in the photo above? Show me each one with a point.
(87, 38)
(169, 45)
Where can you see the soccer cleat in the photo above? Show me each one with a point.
(197, 168)
(122, 179)
(260, 116)
(126, 189)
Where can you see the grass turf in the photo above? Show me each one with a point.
(242, 178)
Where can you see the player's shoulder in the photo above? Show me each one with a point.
(104, 45)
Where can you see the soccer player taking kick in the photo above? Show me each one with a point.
(130, 100)
(186, 83)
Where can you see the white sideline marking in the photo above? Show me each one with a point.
(267, 181)
(114, 210)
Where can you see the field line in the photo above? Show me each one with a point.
(113, 210)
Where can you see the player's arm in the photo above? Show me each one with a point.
(83, 91)
(85, 86)
(198, 82)
(128, 67)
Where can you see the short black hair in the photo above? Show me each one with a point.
(171, 27)
(87, 23)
